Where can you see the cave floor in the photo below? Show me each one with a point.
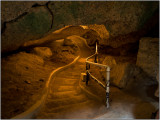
(67, 100)
(24, 75)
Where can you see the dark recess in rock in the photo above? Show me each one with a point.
(14, 20)
(47, 5)
(150, 24)
(3, 27)
(36, 5)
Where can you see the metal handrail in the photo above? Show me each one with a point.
(97, 64)
(88, 63)
(99, 82)
(90, 56)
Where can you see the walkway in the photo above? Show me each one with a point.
(66, 99)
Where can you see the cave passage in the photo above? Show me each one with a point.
(44, 69)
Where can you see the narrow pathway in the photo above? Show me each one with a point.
(66, 99)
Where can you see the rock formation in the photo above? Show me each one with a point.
(148, 56)
(121, 74)
(43, 52)
(26, 21)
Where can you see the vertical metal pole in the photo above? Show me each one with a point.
(107, 86)
(87, 74)
(96, 48)
(87, 77)
(95, 60)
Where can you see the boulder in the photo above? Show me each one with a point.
(30, 26)
(148, 56)
(116, 19)
(27, 21)
(102, 32)
(43, 52)
(91, 37)
(68, 42)
(110, 61)
(121, 73)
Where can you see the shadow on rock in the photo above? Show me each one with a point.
(143, 110)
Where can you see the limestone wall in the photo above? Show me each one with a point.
(25, 21)
(148, 56)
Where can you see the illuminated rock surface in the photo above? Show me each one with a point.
(118, 26)
(44, 52)
(17, 71)
(24, 76)
(91, 36)
(67, 100)
(68, 42)
(110, 61)
(25, 21)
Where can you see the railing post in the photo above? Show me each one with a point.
(87, 74)
(107, 86)
(95, 59)
(87, 77)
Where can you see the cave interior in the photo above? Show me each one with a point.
(44, 47)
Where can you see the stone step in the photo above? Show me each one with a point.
(80, 67)
(63, 115)
(66, 101)
(77, 66)
(63, 81)
(44, 115)
(64, 94)
(70, 107)
(72, 83)
(64, 88)
(63, 74)
(68, 76)
(71, 77)
(88, 112)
